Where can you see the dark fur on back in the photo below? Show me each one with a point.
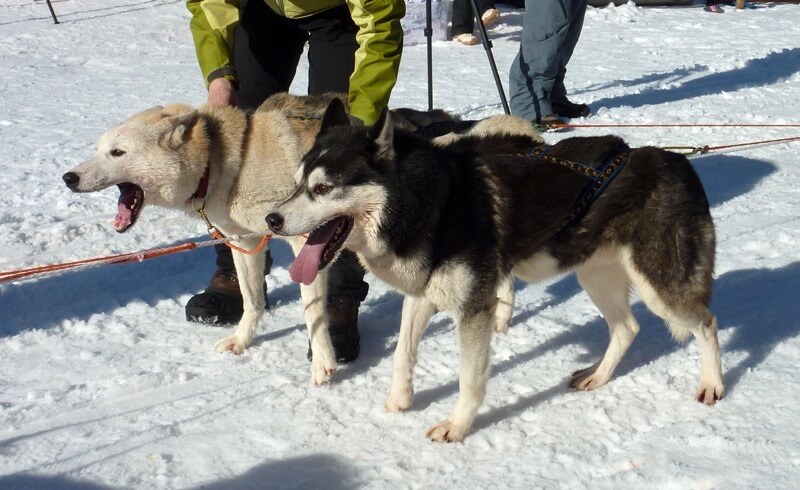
(314, 106)
(305, 105)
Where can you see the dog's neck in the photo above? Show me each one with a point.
(220, 167)
(202, 187)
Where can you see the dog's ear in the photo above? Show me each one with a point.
(382, 133)
(335, 115)
(178, 128)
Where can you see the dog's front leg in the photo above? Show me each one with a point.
(250, 271)
(417, 311)
(475, 335)
(323, 358)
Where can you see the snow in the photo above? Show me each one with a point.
(103, 382)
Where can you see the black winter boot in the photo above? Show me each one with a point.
(342, 314)
(565, 108)
(221, 302)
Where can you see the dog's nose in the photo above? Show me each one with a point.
(275, 221)
(71, 179)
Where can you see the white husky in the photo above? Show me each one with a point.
(237, 167)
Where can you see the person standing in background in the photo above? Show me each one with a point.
(550, 31)
(463, 20)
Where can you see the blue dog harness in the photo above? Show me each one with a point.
(600, 178)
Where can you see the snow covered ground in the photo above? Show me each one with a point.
(103, 383)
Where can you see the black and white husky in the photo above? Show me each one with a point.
(448, 225)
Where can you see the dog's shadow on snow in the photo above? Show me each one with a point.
(79, 294)
(32, 481)
(298, 472)
(312, 471)
(726, 177)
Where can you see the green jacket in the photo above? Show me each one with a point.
(379, 37)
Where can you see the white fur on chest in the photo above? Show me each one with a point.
(448, 287)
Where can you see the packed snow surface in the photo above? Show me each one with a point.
(103, 382)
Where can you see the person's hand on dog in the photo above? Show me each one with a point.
(222, 92)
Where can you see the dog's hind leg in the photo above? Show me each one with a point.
(417, 311)
(608, 288)
(685, 310)
(505, 304)
(704, 328)
(323, 358)
(250, 271)
(475, 335)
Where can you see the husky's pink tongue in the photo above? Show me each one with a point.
(305, 267)
(124, 217)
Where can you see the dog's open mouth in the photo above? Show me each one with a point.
(131, 199)
(320, 249)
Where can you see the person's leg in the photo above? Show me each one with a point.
(561, 104)
(331, 59)
(331, 50)
(462, 19)
(266, 52)
(535, 68)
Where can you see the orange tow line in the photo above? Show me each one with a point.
(124, 258)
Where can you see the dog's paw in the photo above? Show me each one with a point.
(231, 343)
(321, 372)
(501, 325)
(399, 400)
(709, 393)
(588, 379)
(447, 431)
(323, 364)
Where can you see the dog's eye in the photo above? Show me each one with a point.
(322, 189)
(117, 153)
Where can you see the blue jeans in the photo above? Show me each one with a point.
(550, 31)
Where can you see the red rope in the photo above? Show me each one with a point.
(109, 259)
(128, 257)
(703, 149)
(753, 143)
(677, 125)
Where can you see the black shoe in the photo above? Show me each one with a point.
(221, 302)
(343, 326)
(565, 108)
